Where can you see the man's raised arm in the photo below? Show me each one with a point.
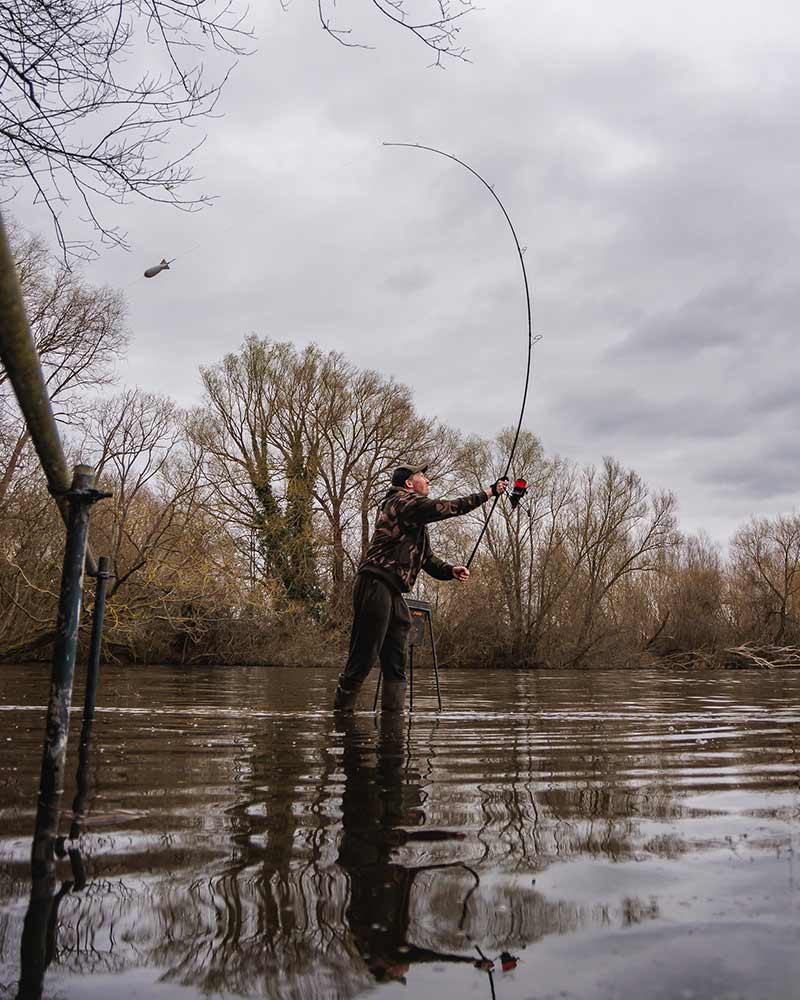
(418, 509)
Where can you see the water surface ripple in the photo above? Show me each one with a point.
(547, 835)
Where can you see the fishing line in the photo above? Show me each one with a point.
(531, 338)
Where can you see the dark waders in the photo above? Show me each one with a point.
(381, 623)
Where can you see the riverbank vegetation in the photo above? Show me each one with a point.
(235, 528)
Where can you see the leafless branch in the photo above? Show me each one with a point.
(78, 120)
(439, 31)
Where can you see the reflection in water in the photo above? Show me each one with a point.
(269, 851)
(40, 928)
(382, 796)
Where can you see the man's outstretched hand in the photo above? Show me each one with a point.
(497, 487)
(460, 573)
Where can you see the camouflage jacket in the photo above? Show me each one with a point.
(400, 546)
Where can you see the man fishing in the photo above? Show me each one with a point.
(399, 549)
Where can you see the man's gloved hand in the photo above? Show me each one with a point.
(498, 487)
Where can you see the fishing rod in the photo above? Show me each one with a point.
(520, 485)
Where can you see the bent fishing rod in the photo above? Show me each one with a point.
(519, 490)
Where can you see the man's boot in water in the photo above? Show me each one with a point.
(393, 696)
(344, 700)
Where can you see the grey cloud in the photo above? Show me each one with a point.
(782, 397)
(771, 474)
(749, 314)
(403, 282)
(661, 413)
(654, 188)
(710, 320)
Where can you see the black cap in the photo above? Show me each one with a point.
(404, 472)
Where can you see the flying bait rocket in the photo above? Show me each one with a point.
(151, 272)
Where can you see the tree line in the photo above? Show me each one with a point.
(236, 527)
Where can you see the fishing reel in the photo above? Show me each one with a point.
(518, 492)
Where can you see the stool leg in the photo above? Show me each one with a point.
(435, 663)
(411, 679)
(377, 690)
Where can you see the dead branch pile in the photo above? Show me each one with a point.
(750, 657)
(691, 659)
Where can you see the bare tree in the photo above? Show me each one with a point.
(618, 529)
(437, 24)
(78, 329)
(370, 426)
(299, 445)
(524, 566)
(259, 432)
(132, 440)
(688, 598)
(79, 332)
(91, 92)
(233, 430)
(31, 555)
(307, 400)
(766, 556)
(169, 568)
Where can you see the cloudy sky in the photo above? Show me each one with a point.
(647, 156)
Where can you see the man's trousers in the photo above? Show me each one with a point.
(381, 623)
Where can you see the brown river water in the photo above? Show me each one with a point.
(547, 835)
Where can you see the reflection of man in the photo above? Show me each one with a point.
(399, 549)
(375, 803)
(380, 799)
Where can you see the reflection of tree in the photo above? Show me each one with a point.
(414, 893)
(301, 861)
(567, 796)
(268, 920)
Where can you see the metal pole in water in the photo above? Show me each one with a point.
(37, 946)
(411, 679)
(83, 788)
(435, 662)
(93, 670)
(80, 497)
